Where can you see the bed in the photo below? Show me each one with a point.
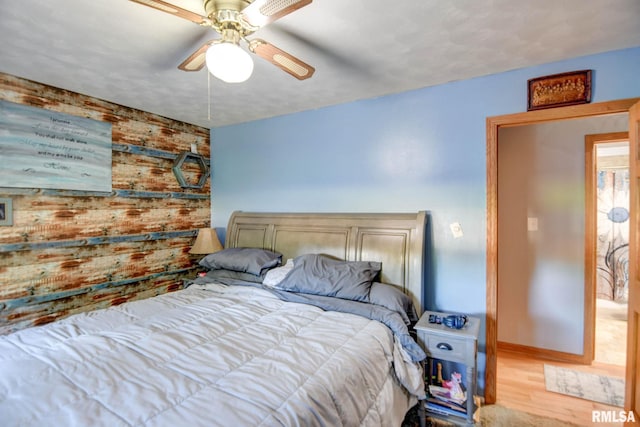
(231, 349)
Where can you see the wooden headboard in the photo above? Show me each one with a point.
(395, 239)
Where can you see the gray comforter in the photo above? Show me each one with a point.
(391, 319)
(207, 356)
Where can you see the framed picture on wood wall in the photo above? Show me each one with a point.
(558, 90)
(6, 211)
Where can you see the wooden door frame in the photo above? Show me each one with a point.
(632, 382)
(591, 235)
(493, 126)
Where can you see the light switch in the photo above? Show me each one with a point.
(456, 230)
(532, 224)
(194, 148)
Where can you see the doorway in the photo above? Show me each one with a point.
(544, 280)
(493, 125)
(607, 246)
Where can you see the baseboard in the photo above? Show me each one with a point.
(543, 353)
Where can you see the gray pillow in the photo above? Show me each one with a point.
(394, 299)
(246, 260)
(320, 275)
(235, 275)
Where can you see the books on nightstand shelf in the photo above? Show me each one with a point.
(442, 410)
(447, 386)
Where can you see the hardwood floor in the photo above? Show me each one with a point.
(520, 378)
(520, 385)
(611, 332)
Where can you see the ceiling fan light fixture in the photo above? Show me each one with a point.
(228, 62)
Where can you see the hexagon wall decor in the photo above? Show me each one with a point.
(177, 169)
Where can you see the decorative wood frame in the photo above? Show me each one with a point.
(559, 90)
(177, 169)
(6, 211)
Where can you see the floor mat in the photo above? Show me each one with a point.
(598, 388)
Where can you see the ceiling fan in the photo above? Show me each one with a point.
(234, 20)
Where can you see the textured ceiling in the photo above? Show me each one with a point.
(127, 53)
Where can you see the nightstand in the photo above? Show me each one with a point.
(450, 367)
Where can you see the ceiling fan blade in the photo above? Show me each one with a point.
(197, 59)
(263, 12)
(285, 61)
(331, 53)
(175, 10)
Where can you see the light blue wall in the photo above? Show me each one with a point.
(418, 150)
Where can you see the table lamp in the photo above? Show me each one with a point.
(207, 242)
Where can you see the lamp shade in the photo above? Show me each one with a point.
(229, 62)
(207, 242)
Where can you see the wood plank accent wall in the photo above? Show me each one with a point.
(74, 251)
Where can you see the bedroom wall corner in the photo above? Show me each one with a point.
(70, 251)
